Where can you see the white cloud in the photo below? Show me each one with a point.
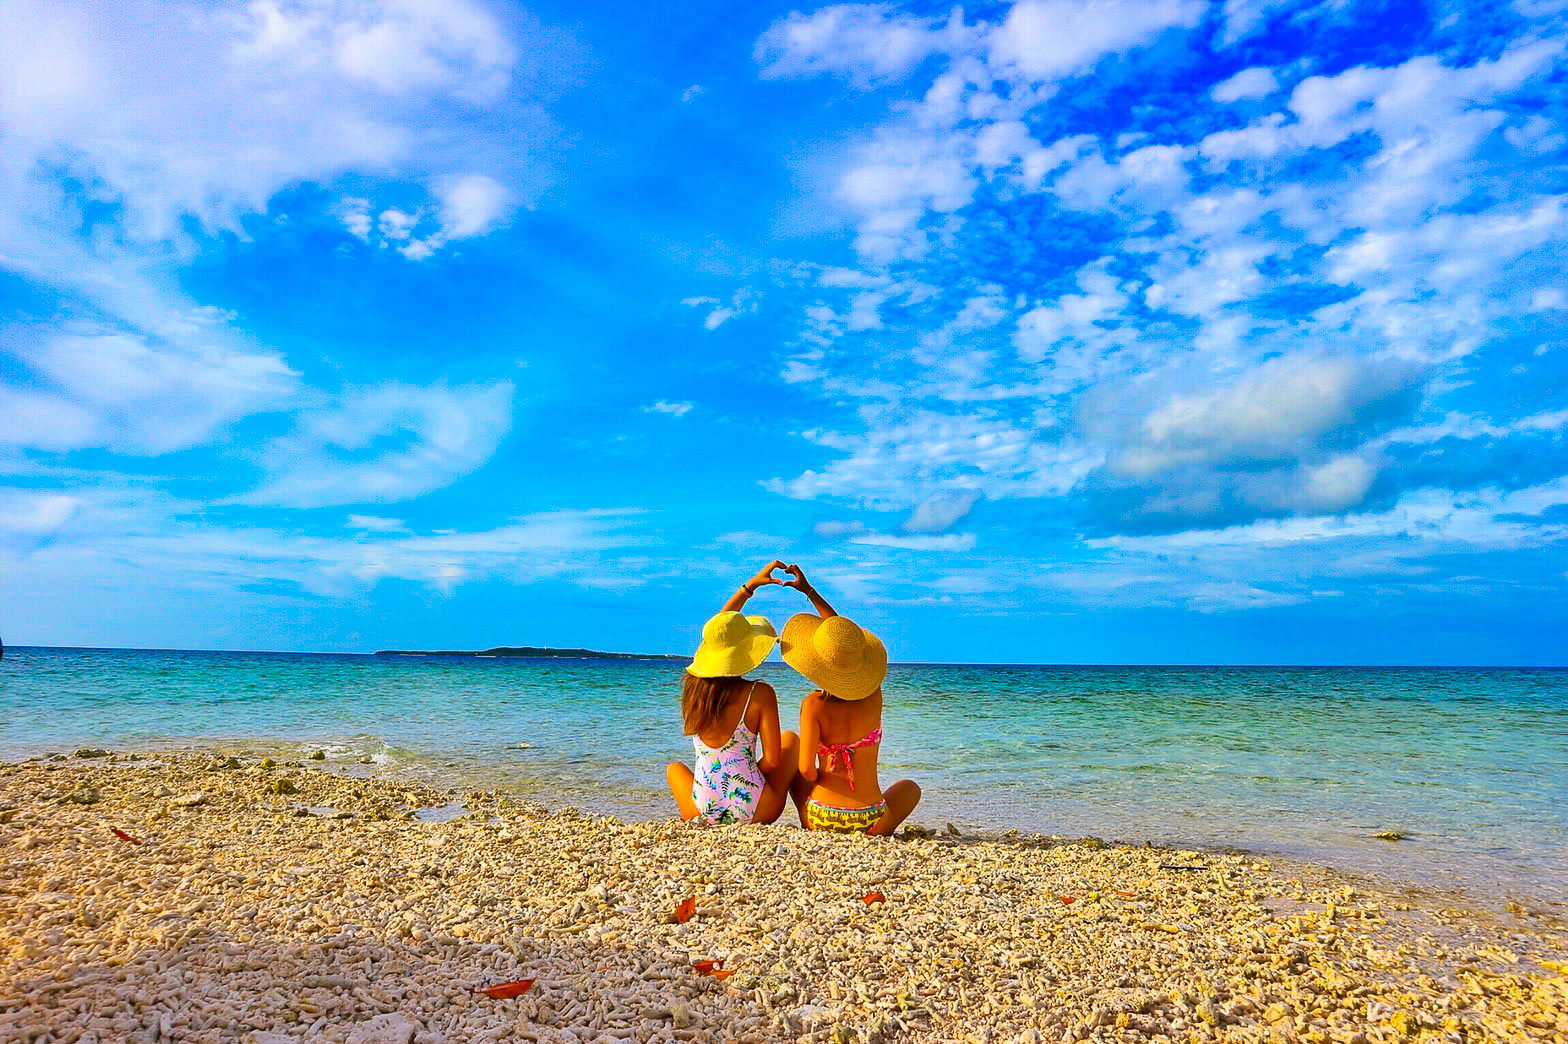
(872, 43)
(1243, 18)
(395, 225)
(904, 452)
(674, 409)
(1270, 301)
(1257, 82)
(156, 124)
(943, 542)
(742, 302)
(130, 539)
(1226, 597)
(940, 512)
(464, 206)
(171, 111)
(929, 162)
(1050, 39)
(471, 205)
(27, 518)
(1284, 404)
(377, 524)
(1078, 333)
(136, 394)
(408, 45)
(339, 455)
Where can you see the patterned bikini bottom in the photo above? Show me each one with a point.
(843, 820)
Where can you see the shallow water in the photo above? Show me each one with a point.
(1472, 764)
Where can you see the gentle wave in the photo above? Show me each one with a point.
(1306, 762)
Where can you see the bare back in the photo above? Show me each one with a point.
(848, 780)
(722, 728)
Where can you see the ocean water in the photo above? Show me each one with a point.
(1306, 763)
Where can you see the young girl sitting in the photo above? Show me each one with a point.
(841, 723)
(725, 714)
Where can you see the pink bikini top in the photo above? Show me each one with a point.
(831, 753)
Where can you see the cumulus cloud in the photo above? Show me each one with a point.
(247, 101)
(871, 43)
(464, 206)
(1206, 315)
(1257, 82)
(1050, 39)
(385, 444)
(970, 122)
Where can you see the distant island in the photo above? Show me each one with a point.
(531, 653)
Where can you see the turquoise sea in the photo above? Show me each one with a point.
(1307, 763)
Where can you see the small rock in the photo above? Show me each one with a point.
(91, 752)
(163, 792)
(282, 786)
(366, 759)
(951, 829)
(390, 1028)
(267, 763)
(1390, 835)
(226, 763)
(6, 815)
(83, 795)
(190, 800)
(320, 755)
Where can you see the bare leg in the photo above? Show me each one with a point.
(775, 790)
(901, 798)
(680, 780)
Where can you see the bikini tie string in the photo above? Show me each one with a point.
(835, 752)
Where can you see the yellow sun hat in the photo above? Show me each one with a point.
(732, 644)
(836, 655)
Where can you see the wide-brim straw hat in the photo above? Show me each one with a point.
(732, 644)
(836, 655)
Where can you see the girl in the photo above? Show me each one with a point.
(841, 723)
(725, 714)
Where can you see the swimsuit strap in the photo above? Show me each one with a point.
(835, 752)
(741, 724)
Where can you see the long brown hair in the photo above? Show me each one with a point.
(703, 698)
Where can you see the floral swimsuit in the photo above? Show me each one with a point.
(728, 781)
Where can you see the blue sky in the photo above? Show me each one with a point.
(1060, 331)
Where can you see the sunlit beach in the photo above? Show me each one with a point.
(856, 523)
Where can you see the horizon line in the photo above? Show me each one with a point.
(891, 663)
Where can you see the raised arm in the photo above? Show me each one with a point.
(801, 584)
(749, 588)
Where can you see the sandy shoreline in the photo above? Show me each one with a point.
(256, 913)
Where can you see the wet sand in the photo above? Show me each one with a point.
(271, 902)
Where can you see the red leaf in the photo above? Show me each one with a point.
(874, 897)
(1067, 900)
(123, 836)
(508, 990)
(686, 910)
(713, 969)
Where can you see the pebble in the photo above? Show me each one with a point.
(247, 923)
